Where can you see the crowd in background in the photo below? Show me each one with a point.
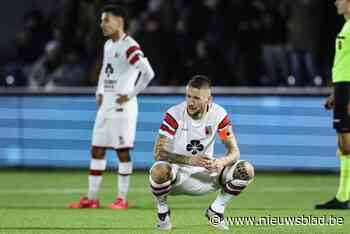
(235, 42)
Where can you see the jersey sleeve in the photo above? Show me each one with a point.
(224, 122)
(223, 119)
(133, 53)
(169, 125)
(99, 90)
(224, 125)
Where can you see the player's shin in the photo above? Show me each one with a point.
(160, 187)
(221, 202)
(97, 166)
(124, 171)
(234, 179)
(343, 193)
(160, 191)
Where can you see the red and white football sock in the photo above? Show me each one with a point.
(161, 191)
(97, 166)
(124, 170)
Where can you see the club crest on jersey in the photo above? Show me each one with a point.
(208, 130)
(194, 147)
(116, 55)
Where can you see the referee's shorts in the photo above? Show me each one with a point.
(341, 117)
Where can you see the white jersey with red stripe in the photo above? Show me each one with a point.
(119, 75)
(192, 137)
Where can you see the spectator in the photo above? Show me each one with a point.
(274, 52)
(31, 39)
(72, 72)
(152, 34)
(249, 28)
(43, 69)
(303, 36)
(29, 44)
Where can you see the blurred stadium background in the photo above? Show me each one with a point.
(270, 62)
(236, 42)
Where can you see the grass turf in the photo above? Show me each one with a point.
(36, 201)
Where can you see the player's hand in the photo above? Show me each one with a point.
(216, 165)
(122, 99)
(329, 103)
(200, 161)
(99, 99)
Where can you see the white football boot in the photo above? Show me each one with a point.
(163, 222)
(216, 220)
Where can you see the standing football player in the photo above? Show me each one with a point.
(124, 74)
(340, 101)
(184, 155)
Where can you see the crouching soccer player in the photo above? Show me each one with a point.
(184, 155)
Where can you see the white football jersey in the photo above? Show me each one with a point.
(192, 137)
(119, 75)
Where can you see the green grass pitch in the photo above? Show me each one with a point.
(35, 202)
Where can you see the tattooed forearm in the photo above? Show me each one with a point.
(232, 155)
(161, 143)
(232, 150)
(162, 154)
(174, 158)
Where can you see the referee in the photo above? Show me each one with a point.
(340, 102)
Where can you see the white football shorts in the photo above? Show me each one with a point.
(116, 133)
(193, 181)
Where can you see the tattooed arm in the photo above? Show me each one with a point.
(162, 153)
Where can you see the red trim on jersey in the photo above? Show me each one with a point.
(167, 129)
(131, 50)
(134, 59)
(171, 121)
(226, 121)
(95, 173)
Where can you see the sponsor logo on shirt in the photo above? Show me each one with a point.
(194, 147)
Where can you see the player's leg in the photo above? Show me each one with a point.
(341, 199)
(344, 156)
(342, 125)
(234, 179)
(97, 166)
(124, 172)
(100, 140)
(124, 131)
(160, 178)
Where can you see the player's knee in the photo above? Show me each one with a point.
(160, 179)
(344, 149)
(98, 153)
(245, 171)
(238, 177)
(161, 173)
(124, 155)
